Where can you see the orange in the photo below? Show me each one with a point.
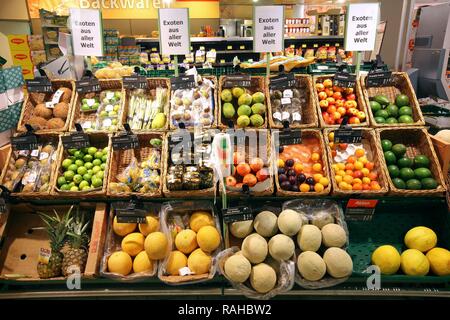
(315, 156)
(366, 186)
(348, 179)
(349, 172)
(363, 160)
(365, 172)
(338, 179)
(317, 177)
(343, 185)
(318, 187)
(366, 180)
(335, 167)
(250, 180)
(360, 152)
(304, 187)
(349, 166)
(357, 180)
(280, 163)
(317, 167)
(373, 176)
(359, 165)
(331, 144)
(331, 136)
(369, 165)
(375, 185)
(341, 173)
(357, 186)
(298, 168)
(243, 169)
(351, 159)
(324, 181)
(341, 166)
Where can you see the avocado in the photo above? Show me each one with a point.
(381, 99)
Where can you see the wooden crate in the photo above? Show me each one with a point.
(443, 152)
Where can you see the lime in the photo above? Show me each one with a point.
(394, 171)
(90, 172)
(72, 167)
(77, 178)
(79, 163)
(92, 150)
(375, 106)
(380, 120)
(84, 150)
(72, 151)
(65, 187)
(429, 183)
(399, 149)
(68, 175)
(405, 111)
(422, 173)
(421, 161)
(74, 188)
(386, 144)
(72, 158)
(88, 158)
(104, 158)
(402, 100)
(105, 150)
(405, 162)
(103, 166)
(100, 174)
(98, 155)
(61, 181)
(405, 119)
(392, 109)
(399, 183)
(87, 177)
(88, 165)
(391, 120)
(406, 173)
(78, 154)
(97, 182)
(82, 170)
(96, 169)
(72, 184)
(66, 163)
(413, 184)
(390, 157)
(86, 188)
(83, 184)
(382, 113)
(97, 162)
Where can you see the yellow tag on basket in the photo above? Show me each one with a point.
(315, 45)
(327, 44)
(242, 47)
(303, 45)
(154, 49)
(292, 46)
(336, 44)
(229, 47)
(44, 255)
(222, 61)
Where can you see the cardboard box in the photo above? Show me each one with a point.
(21, 58)
(18, 42)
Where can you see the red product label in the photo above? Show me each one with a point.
(20, 56)
(25, 71)
(361, 203)
(17, 41)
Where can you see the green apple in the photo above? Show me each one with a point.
(98, 155)
(87, 177)
(100, 174)
(65, 187)
(97, 182)
(103, 166)
(74, 188)
(104, 158)
(79, 155)
(72, 151)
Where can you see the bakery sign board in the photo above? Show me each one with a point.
(87, 32)
(361, 26)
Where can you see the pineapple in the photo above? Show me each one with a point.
(56, 228)
(76, 253)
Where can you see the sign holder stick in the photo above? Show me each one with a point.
(175, 61)
(358, 63)
(268, 64)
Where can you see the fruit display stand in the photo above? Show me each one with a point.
(374, 170)
(417, 142)
(41, 117)
(300, 150)
(308, 111)
(400, 84)
(137, 180)
(335, 111)
(24, 237)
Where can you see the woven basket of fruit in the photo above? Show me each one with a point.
(334, 103)
(243, 106)
(253, 163)
(137, 171)
(187, 169)
(28, 174)
(100, 111)
(302, 169)
(83, 173)
(195, 107)
(300, 106)
(49, 112)
(146, 109)
(393, 105)
(356, 168)
(411, 162)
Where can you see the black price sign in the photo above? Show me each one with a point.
(184, 82)
(75, 141)
(135, 82)
(360, 209)
(283, 81)
(130, 213)
(181, 136)
(125, 141)
(25, 142)
(239, 80)
(240, 213)
(88, 85)
(39, 84)
(344, 79)
(346, 134)
(289, 137)
(378, 78)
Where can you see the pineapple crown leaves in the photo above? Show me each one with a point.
(77, 231)
(57, 227)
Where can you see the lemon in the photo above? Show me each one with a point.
(142, 263)
(387, 259)
(186, 241)
(439, 259)
(151, 225)
(414, 263)
(200, 219)
(420, 238)
(133, 243)
(208, 238)
(156, 245)
(199, 262)
(120, 262)
(175, 262)
(122, 229)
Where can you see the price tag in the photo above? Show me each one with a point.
(282, 81)
(125, 141)
(75, 141)
(327, 44)
(109, 95)
(184, 82)
(26, 142)
(346, 134)
(90, 102)
(337, 45)
(303, 45)
(88, 85)
(135, 82)
(242, 47)
(49, 104)
(240, 213)
(35, 153)
(57, 96)
(86, 125)
(109, 108)
(378, 78)
(39, 84)
(222, 61)
(154, 49)
(185, 271)
(289, 137)
(239, 80)
(360, 209)
(285, 101)
(130, 212)
(344, 79)
(315, 45)
(43, 156)
(229, 47)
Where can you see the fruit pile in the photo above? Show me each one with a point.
(405, 172)
(287, 105)
(246, 108)
(300, 167)
(139, 250)
(336, 102)
(83, 170)
(107, 107)
(195, 238)
(352, 168)
(421, 255)
(251, 173)
(384, 111)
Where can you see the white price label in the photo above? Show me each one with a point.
(285, 101)
(109, 108)
(296, 116)
(24, 153)
(288, 93)
(90, 102)
(43, 156)
(35, 153)
(109, 95)
(277, 116)
(185, 271)
(107, 123)
(86, 125)
(50, 105)
(285, 116)
(57, 96)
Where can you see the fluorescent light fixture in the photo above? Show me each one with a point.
(255, 0)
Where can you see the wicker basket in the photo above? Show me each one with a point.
(79, 117)
(374, 154)
(33, 99)
(309, 111)
(153, 83)
(269, 190)
(359, 99)
(43, 139)
(120, 159)
(216, 107)
(187, 194)
(98, 140)
(401, 84)
(258, 83)
(306, 133)
(417, 142)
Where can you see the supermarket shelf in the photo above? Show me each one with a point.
(234, 51)
(52, 26)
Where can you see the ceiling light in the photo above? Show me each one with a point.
(255, 0)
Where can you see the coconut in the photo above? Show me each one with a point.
(38, 122)
(61, 110)
(55, 123)
(42, 111)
